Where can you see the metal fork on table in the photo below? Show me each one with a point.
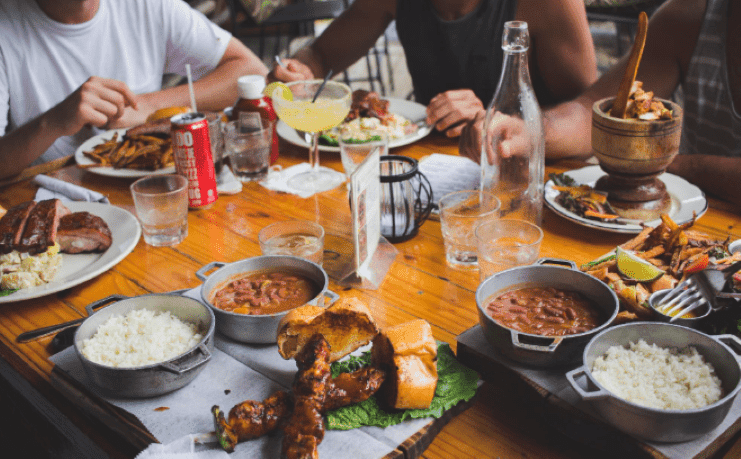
(699, 288)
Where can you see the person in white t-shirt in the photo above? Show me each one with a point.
(72, 68)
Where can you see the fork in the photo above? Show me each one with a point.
(684, 297)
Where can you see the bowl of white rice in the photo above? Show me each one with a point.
(658, 381)
(147, 345)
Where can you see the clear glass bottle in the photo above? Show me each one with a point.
(513, 147)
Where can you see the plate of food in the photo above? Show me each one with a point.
(571, 195)
(127, 153)
(90, 239)
(403, 120)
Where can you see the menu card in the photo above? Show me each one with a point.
(365, 192)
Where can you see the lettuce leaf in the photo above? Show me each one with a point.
(456, 382)
(7, 292)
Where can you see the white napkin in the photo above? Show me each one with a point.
(54, 188)
(277, 179)
(227, 182)
(182, 448)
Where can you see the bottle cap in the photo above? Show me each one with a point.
(251, 86)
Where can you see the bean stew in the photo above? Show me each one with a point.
(544, 311)
(264, 292)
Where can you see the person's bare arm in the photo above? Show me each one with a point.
(672, 33)
(96, 102)
(346, 39)
(716, 175)
(561, 50)
(216, 90)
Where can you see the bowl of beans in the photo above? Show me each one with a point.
(543, 315)
(250, 297)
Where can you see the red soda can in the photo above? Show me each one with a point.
(191, 148)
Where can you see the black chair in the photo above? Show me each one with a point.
(624, 16)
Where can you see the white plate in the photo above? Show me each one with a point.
(81, 267)
(406, 108)
(90, 143)
(686, 199)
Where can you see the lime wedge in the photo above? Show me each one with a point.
(628, 264)
(272, 87)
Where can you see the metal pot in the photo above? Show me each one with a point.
(260, 329)
(537, 350)
(655, 424)
(155, 379)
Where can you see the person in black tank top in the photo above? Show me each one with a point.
(453, 50)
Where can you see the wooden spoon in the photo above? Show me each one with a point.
(621, 100)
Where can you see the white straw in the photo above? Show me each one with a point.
(190, 88)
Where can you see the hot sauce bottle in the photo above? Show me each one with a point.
(251, 99)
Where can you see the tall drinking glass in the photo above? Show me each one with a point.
(330, 109)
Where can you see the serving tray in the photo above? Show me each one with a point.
(566, 412)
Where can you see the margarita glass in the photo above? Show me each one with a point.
(330, 108)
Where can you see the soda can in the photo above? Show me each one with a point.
(191, 148)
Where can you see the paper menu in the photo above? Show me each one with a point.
(365, 189)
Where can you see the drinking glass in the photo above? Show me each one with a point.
(504, 244)
(302, 239)
(355, 147)
(303, 114)
(248, 147)
(460, 213)
(161, 203)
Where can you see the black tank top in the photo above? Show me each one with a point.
(463, 53)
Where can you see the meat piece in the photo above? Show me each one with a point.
(41, 226)
(305, 429)
(12, 224)
(81, 232)
(162, 126)
(368, 104)
(251, 419)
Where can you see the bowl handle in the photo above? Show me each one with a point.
(199, 356)
(330, 297)
(200, 274)
(593, 395)
(732, 341)
(102, 302)
(556, 341)
(555, 261)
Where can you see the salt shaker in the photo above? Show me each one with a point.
(515, 174)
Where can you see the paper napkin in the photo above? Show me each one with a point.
(51, 188)
(277, 179)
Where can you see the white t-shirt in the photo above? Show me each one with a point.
(134, 41)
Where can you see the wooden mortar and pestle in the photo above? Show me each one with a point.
(634, 152)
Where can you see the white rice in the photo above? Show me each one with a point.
(141, 337)
(656, 377)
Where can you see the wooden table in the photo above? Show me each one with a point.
(505, 421)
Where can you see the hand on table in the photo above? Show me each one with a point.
(291, 70)
(506, 132)
(449, 111)
(100, 102)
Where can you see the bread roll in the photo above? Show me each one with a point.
(408, 355)
(346, 325)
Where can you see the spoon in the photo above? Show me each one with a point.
(321, 87)
(621, 99)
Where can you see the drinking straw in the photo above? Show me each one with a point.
(324, 83)
(278, 60)
(190, 88)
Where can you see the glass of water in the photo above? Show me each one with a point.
(299, 238)
(161, 203)
(356, 146)
(504, 244)
(248, 148)
(460, 213)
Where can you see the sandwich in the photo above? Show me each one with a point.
(407, 354)
(346, 325)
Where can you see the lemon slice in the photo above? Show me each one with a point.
(285, 90)
(636, 268)
(168, 112)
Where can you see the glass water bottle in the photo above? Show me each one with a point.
(514, 170)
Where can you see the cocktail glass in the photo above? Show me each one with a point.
(330, 109)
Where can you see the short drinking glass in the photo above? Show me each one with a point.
(355, 147)
(248, 149)
(504, 244)
(302, 239)
(161, 203)
(460, 213)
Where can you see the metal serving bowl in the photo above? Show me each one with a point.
(155, 379)
(259, 329)
(537, 350)
(701, 313)
(655, 424)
